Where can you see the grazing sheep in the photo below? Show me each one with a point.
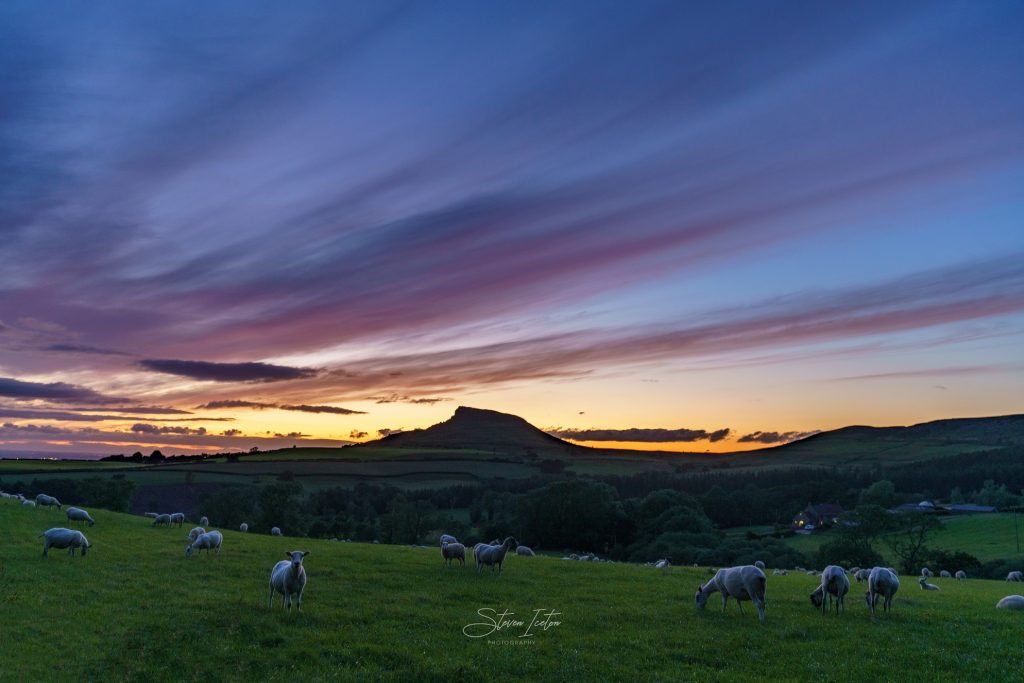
(64, 538)
(927, 586)
(492, 555)
(759, 564)
(779, 572)
(276, 531)
(882, 582)
(288, 577)
(1011, 602)
(243, 527)
(162, 520)
(29, 503)
(195, 533)
(78, 515)
(926, 572)
(525, 551)
(204, 521)
(453, 551)
(151, 514)
(854, 570)
(862, 575)
(961, 575)
(834, 584)
(448, 538)
(43, 500)
(662, 564)
(743, 583)
(811, 572)
(178, 518)
(211, 540)
(1015, 576)
(944, 574)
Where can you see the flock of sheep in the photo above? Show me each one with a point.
(484, 554)
(288, 577)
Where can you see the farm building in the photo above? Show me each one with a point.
(816, 516)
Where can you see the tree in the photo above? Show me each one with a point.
(882, 493)
(909, 542)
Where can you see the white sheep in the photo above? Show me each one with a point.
(64, 538)
(78, 515)
(162, 520)
(178, 518)
(882, 582)
(759, 564)
(961, 575)
(276, 531)
(243, 527)
(453, 551)
(1011, 602)
(927, 586)
(779, 572)
(524, 551)
(211, 540)
(195, 533)
(43, 500)
(448, 538)
(492, 555)
(29, 503)
(1015, 576)
(834, 584)
(288, 577)
(745, 582)
(926, 572)
(944, 574)
(204, 521)
(662, 564)
(862, 575)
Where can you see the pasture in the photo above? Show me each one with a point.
(136, 609)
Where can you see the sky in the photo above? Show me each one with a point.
(661, 225)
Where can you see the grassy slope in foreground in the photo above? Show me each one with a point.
(136, 609)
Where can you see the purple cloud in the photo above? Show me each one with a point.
(57, 392)
(227, 372)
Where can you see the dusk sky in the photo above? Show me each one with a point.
(659, 225)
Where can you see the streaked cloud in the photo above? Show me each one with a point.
(640, 434)
(227, 372)
(769, 438)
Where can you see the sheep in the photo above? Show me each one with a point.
(759, 564)
(453, 551)
(276, 531)
(195, 533)
(29, 503)
(743, 583)
(881, 582)
(862, 575)
(1015, 576)
(162, 520)
(525, 551)
(927, 586)
(64, 538)
(204, 521)
(78, 515)
(926, 572)
(43, 500)
(662, 564)
(154, 515)
(448, 538)
(854, 570)
(211, 540)
(288, 577)
(961, 575)
(834, 583)
(944, 574)
(493, 555)
(779, 572)
(243, 527)
(178, 518)
(1011, 602)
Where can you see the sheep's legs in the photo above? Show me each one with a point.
(270, 603)
(740, 604)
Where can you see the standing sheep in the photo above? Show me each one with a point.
(195, 533)
(288, 577)
(178, 518)
(204, 521)
(1011, 602)
(492, 555)
(1015, 576)
(862, 575)
(276, 531)
(64, 538)
(961, 575)
(43, 500)
(743, 583)
(211, 540)
(162, 520)
(944, 574)
(834, 584)
(78, 515)
(29, 503)
(453, 551)
(243, 527)
(524, 551)
(927, 586)
(882, 582)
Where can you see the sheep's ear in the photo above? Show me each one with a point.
(287, 554)
(305, 552)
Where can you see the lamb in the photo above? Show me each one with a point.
(926, 572)
(662, 564)
(944, 574)
(243, 527)
(43, 500)
(961, 575)
(162, 520)
(525, 551)
(1015, 576)
(453, 551)
(1011, 602)
(448, 538)
(288, 577)
(743, 583)
(211, 540)
(834, 583)
(276, 531)
(204, 521)
(862, 575)
(78, 515)
(195, 533)
(59, 537)
(493, 555)
(759, 564)
(882, 582)
(927, 586)
(178, 518)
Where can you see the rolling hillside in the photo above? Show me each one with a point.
(136, 609)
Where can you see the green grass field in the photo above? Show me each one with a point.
(136, 609)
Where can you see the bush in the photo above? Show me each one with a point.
(848, 552)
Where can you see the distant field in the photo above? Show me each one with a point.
(135, 609)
